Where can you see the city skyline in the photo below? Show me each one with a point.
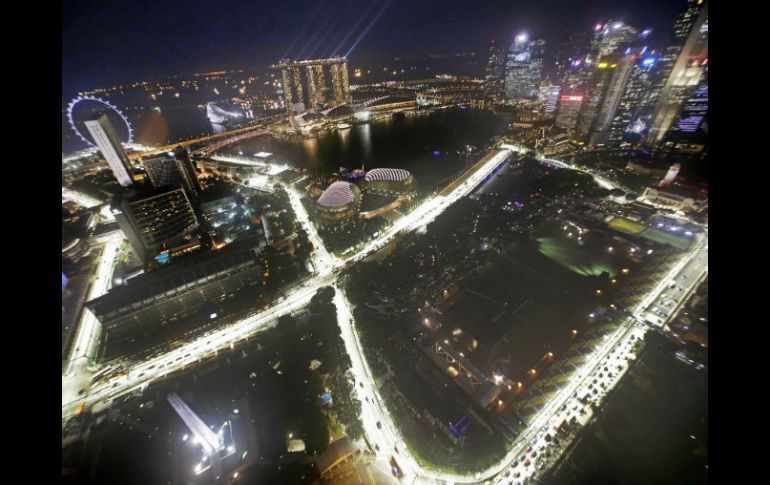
(365, 261)
(159, 45)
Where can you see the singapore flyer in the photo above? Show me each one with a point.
(83, 107)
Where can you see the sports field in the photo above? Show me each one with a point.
(663, 237)
(626, 225)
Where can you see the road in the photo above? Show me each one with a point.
(88, 202)
(76, 375)
(327, 266)
(194, 141)
(386, 436)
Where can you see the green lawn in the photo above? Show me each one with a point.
(626, 225)
(662, 237)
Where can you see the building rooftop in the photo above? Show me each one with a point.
(387, 174)
(337, 194)
(683, 191)
(180, 276)
(337, 451)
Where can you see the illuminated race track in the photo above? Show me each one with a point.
(86, 341)
(88, 202)
(201, 139)
(327, 266)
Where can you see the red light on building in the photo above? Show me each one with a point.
(571, 98)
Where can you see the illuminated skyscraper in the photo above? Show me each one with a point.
(682, 27)
(316, 86)
(318, 95)
(616, 36)
(516, 68)
(523, 70)
(292, 88)
(637, 102)
(569, 110)
(551, 97)
(611, 99)
(153, 221)
(494, 81)
(109, 144)
(596, 89)
(174, 169)
(683, 79)
(673, 171)
(535, 68)
(694, 114)
(572, 54)
(341, 89)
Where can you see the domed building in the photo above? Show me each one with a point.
(390, 181)
(338, 204)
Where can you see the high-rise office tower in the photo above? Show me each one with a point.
(551, 97)
(671, 174)
(186, 168)
(524, 68)
(572, 54)
(107, 140)
(569, 110)
(535, 68)
(616, 36)
(174, 169)
(155, 221)
(611, 99)
(495, 73)
(318, 95)
(596, 89)
(292, 88)
(637, 102)
(694, 114)
(341, 89)
(608, 38)
(316, 86)
(516, 68)
(574, 78)
(684, 77)
(592, 55)
(682, 27)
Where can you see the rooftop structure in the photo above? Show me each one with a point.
(387, 174)
(338, 204)
(337, 194)
(157, 300)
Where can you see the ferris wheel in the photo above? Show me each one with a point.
(88, 105)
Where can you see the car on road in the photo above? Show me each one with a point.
(379, 426)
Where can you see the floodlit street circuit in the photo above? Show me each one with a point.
(327, 266)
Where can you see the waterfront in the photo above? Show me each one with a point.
(431, 146)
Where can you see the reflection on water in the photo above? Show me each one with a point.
(581, 259)
(344, 139)
(401, 143)
(365, 133)
(311, 148)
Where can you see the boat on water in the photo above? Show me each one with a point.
(343, 126)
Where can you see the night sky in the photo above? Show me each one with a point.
(107, 42)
